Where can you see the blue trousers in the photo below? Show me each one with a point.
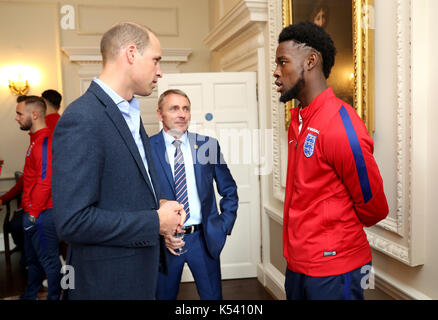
(205, 270)
(347, 286)
(41, 246)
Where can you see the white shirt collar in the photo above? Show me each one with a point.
(113, 95)
(168, 139)
(123, 104)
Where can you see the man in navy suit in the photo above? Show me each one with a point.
(104, 183)
(175, 150)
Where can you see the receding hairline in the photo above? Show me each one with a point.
(109, 49)
(170, 92)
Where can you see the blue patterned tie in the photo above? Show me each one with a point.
(180, 178)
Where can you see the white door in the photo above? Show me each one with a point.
(224, 105)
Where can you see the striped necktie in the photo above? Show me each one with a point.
(180, 178)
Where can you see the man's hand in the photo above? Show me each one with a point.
(173, 243)
(1, 202)
(172, 217)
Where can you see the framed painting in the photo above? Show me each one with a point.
(350, 23)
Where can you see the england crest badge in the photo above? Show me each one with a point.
(309, 145)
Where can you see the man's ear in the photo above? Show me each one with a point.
(130, 53)
(35, 114)
(312, 60)
(160, 118)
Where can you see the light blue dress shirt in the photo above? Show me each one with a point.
(192, 190)
(131, 114)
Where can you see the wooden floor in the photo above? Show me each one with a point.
(12, 285)
(241, 289)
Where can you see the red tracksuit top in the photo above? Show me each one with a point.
(37, 173)
(333, 189)
(51, 121)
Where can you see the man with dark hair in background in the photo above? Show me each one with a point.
(53, 102)
(40, 237)
(333, 186)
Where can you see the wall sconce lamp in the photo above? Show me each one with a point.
(19, 78)
(19, 87)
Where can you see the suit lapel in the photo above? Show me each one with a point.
(164, 161)
(119, 122)
(148, 153)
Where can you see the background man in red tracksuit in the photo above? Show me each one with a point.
(40, 237)
(333, 186)
(52, 98)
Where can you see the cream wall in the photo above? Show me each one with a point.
(34, 41)
(431, 287)
(178, 24)
(219, 8)
(30, 34)
(420, 281)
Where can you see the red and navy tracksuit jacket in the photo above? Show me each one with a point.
(333, 189)
(15, 191)
(37, 173)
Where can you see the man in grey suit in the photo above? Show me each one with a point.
(104, 183)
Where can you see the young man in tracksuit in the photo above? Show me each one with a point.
(40, 237)
(333, 186)
(52, 98)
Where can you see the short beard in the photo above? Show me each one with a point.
(294, 91)
(26, 126)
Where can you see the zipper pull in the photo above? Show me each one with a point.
(296, 143)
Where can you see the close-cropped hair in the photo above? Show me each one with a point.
(171, 91)
(53, 96)
(311, 35)
(21, 98)
(37, 103)
(121, 35)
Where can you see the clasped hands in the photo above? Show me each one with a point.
(172, 217)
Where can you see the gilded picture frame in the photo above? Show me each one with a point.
(354, 83)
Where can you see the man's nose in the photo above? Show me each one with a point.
(159, 73)
(181, 113)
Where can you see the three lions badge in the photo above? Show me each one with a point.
(309, 145)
